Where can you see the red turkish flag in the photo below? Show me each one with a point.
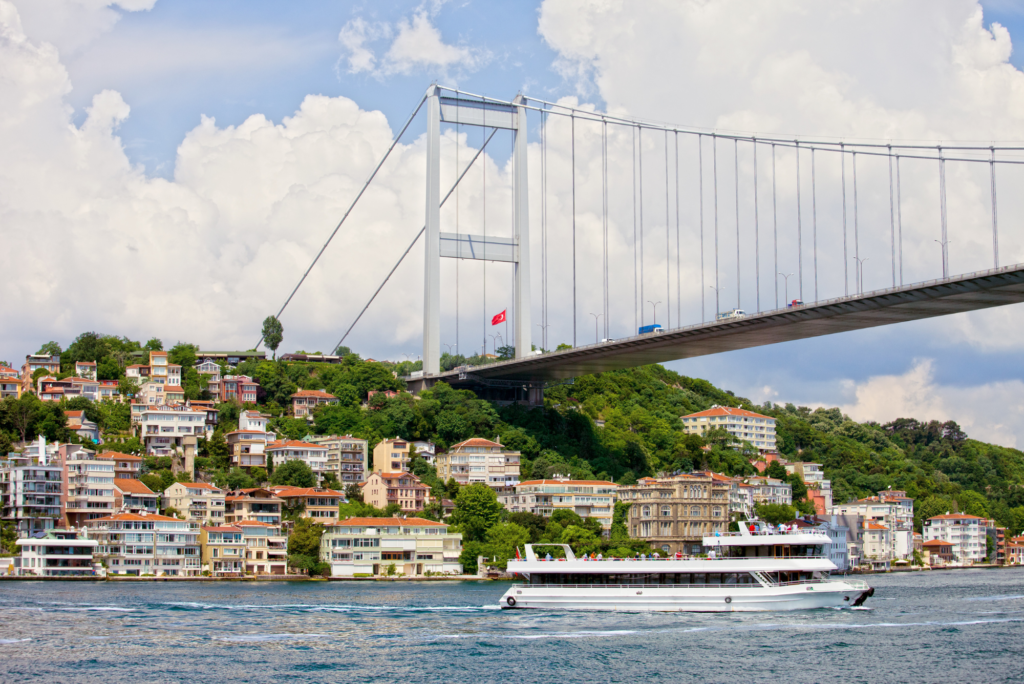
(500, 318)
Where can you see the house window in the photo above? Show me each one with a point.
(646, 511)
(666, 511)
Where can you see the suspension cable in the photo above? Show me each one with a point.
(892, 222)
(668, 247)
(736, 184)
(544, 227)
(679, 285)
(458, 132)
(799, 229)
(899, 215)
(700, 167)
(640, 164)
(856, 230)
(373, 174)
(814, 222)
(995, 212)
(757, 236)
(414, 240)
(573, 131)
(775, 228)
(604, 216)
(483, 209)
(846, 256)
(942, 215)
(636, 317)
(714, 154)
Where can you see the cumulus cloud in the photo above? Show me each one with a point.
(71, 25)
(417, 45)
(991, 412)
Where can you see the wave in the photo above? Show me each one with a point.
(270, 637)
(322, 608)
(1012, 597)
(13, 641)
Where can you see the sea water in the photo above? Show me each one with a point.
(951, 626)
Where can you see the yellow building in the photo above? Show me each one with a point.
(391, 456)
(743, 425)
(319, 504)
(587, 498)
(223, 550)
(674, 514)
(196, 501)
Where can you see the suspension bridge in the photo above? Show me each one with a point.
(716, 197)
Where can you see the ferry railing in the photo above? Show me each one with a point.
(854, 584)
(684, 558)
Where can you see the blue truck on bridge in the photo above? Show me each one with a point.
(649, 329)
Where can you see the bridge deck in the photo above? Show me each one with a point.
(968, 292)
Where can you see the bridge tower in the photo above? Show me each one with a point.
(514, 250)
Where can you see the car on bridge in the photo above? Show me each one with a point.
(733, 313)
(795, 303)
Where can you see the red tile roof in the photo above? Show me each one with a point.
(75, 414)
(294, 444)
(198, 485)
(134, 516)
(313, 393)
(116, 455)
(223, 528)
(131, 486)
(286, 492)
(955, 516)
(391, 522)
(727, 411)
(475, 441)
(572, 482)
(937, 542)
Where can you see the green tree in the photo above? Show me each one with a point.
(304, 545)
(503, 539)
(580, 539)
(183, 354)
(153, 481)
(154, 344)
(776, 470)
(273, 333)
(9, 534)
(476, 511)
(51, 348)
(293, 473)
(776, 514)
(128, 388)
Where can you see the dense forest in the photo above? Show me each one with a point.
(619, 425)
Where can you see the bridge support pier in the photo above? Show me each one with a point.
(514, 250)
(529, 394)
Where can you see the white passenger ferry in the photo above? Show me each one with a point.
(744, 571)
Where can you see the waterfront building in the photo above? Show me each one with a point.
(743, 425)
(347, 456)
(368, 546)
(768, 490)
(404, 489)
(313, 455)
(266, 547)
(675, 513)
(938, 553)
(253, 505)
(1014, 553)
(892, 515)
(391, 456)
(144, 544)
(30, 492)
(88, 484)
(587, 498)
(131, 496)
(223, 550)
(304, 401)
(34, 362)
(965, 532)
(56, 553)
(741, 500)
(126, 466)
(480, 460)
(819, 490)
(197, 501)
(319, 504)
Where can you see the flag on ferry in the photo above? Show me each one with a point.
(500, 318)
(517, 554)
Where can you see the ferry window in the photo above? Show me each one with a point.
(699, 578)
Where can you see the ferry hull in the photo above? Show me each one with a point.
(725, 599)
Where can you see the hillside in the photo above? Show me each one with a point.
(936, 463)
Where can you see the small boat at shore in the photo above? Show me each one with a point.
(758, 569)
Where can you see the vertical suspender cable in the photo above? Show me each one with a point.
(458, 131)
(640, 164)
(483, 209)
(757, 235)
(736, 178)
(846, 257)
(799, 228)
(544, 227)
(814, 222)
(572, 124)
(633, 140)
(714, 168)
(679, 286)
(899, 216)
(856, 231)
(668, 246)
(892, 220)
(604, 214)
(942, 213)
(700, 174)
(995, 213)
(775, 229)
(512, 196)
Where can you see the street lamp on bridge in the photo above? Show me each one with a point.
(597, 317)
(945, 256)
(655, 305)
(786, 276)
(860, 273)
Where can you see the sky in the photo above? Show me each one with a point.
(171, 167)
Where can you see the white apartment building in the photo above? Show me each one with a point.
(888, 514)
(744, 425)
(141, 544)
(587, 498)
(30, 493)
(169, 429)
(197, 501)
(767, 490)
(426, 450)
(88, 485)
(313, 455)
(480, 460)
(965, 532)
(59, 553)
(414, 546)
(347, 457)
